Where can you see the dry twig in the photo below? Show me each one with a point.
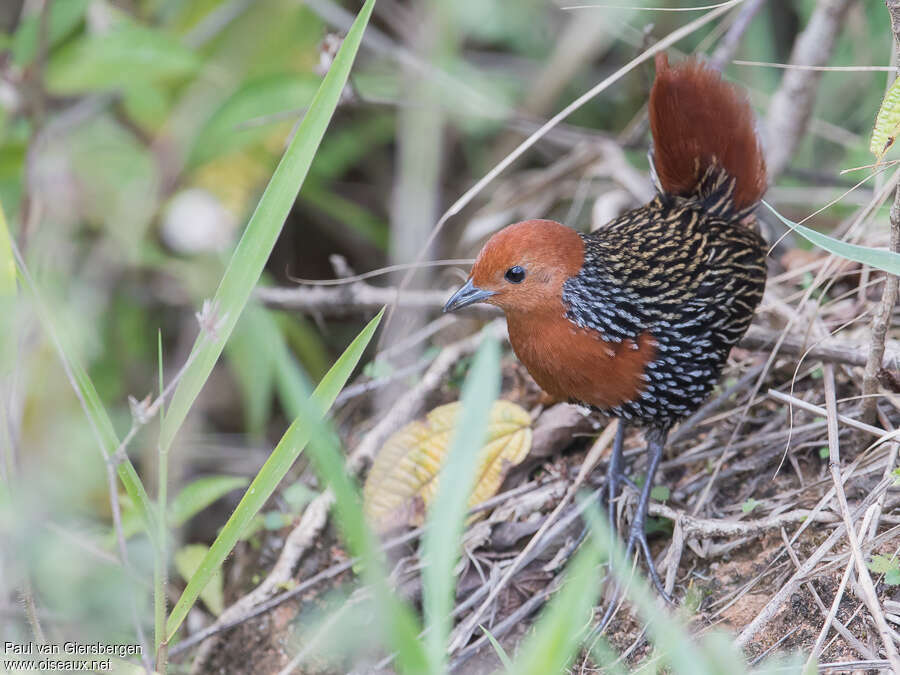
(885, 310)
(862, 572)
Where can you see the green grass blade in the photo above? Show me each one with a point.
(676, 646)
(7, 262)
(265, 224)
(878, 258)
(560, 628)
(446, 518)
(161, 552)
(398, 624)
(271, 473)
(93, 407)
(499, 651)
(8, 335)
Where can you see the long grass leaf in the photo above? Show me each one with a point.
(91, 403)
(441, 541)
(265, 224)
(676, 646)
(878, 258)
(271, 473)
(398, 624)
(561, 626)
(7, 262)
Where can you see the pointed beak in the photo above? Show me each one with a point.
(465, 296)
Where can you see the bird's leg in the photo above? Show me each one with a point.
(614, 475)
(656, 440)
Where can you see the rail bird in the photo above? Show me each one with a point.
(637, 318)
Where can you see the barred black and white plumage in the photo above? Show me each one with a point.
(689, 272)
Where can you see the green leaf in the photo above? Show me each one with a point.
(298, 495)
(187, 562)
(64, 17)
(7, 262)
(92, 405)
(124, 56)
(675, 645)
(660, 493)
(824, 452)
(878, 258)
(265, 224)
(240, 120)
(498, 650)
(200, 493)
(250, 358)
(271, 473)
(749, 505)
(446, 518)
(8, 305)
(887, 122)
(889, 567)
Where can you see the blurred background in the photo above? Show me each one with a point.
(137, 135)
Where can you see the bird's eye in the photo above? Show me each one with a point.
(515, 275)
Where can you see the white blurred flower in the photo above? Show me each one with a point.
(195, 221)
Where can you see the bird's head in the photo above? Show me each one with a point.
(522, 268)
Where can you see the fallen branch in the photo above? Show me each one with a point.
(700, 527)
(363, 298)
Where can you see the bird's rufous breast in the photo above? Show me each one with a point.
(574, 363)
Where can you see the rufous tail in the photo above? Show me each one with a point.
(701, 126)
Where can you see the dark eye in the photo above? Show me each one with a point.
(515, 275)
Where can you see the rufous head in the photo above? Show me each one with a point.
(522, 268)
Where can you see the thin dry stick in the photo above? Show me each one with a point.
(831, 618)
(792, 105)
(700, 527)
(881, 321)
(785, 590)
(818, 410)
(465, 628)
(862, 572)
(888, 468)
(839, 69)
(362, 298)
(26, 595)
(732, 39)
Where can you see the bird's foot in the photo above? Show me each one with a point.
(637, 538)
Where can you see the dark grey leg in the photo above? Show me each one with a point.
(614, 475)
(656, 440)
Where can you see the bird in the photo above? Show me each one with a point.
(637, 319)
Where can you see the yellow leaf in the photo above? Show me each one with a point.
(187, 561)
(887, 123)
(404, 478)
